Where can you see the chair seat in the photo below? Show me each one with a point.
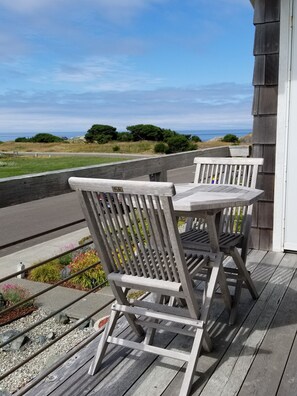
(198, 239)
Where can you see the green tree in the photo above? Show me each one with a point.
(22, 140)
(146, 132)
(124, 137)
(230, 138)
(160, 147)
(168, 133)
(179, 143)
(101, 134)
(195, 138)
(45, 138)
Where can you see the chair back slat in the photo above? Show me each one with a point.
(135, 232)
(237, 171)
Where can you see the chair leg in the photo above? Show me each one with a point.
(236, 299)
(103, 343)
(122, 299)
(150, 333)
(224, 289)
(206, 342)
(244, 272)
(192, 363)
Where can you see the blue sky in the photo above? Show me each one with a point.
(68, 64)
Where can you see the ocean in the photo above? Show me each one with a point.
(203, 134)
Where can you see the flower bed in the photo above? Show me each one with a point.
(68, 265)
(11, 295)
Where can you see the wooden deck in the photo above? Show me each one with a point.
(256, 356)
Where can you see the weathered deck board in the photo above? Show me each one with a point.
(224, 335)
(256, 356)
(273, 353)
(235, 364)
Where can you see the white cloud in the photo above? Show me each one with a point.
(101, 74)
(173, 108)
(25, 6)
(116, 10)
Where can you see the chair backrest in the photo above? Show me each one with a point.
(134, 228)
(237, 171)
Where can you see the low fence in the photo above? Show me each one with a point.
(4, 373)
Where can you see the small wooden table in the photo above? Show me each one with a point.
(193, 198)
(208, 201)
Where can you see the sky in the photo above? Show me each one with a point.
(180, 64)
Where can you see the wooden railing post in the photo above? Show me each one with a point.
(159, 176)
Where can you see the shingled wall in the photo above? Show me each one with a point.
(265, 81)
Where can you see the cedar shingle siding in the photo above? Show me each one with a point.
(265, 81)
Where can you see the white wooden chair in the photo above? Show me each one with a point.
(235, 223)
(135, 232)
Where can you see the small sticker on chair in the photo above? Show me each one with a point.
(117, 189)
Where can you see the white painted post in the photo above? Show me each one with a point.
(21, 267)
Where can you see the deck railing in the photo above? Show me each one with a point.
(78, 323)
(21, 189)
(16, 190)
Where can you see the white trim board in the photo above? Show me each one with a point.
(282, 123)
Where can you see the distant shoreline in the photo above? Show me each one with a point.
(203, 134)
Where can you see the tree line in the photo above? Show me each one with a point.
(167, 141)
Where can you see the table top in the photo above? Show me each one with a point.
(191, 197)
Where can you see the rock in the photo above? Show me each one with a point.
(52, 359)
(247, 138)
(16, 344)
(51, 335)
(65, 272)
(85, 324)
(62, 318)
(4, 392)
(42, 339)
(92, 322)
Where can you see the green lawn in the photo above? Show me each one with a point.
(16, 166)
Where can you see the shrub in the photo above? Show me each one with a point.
(116, 148)
(160, 147)
(14, 294)
(66, 259)
(195, 139)
(145, 132)
(85, 239)
(230, 138)
(22, 140)
(45, 138)
(125, 137)
(48, 273)
(101, 134)
(90, 278)
(179, 143)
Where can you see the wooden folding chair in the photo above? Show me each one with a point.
(135, 232)
(235, 223)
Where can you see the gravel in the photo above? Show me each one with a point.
(30, 370)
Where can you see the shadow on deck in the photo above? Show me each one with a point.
(255, 356)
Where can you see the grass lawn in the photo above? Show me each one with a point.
(16, 166)
(143, 147)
